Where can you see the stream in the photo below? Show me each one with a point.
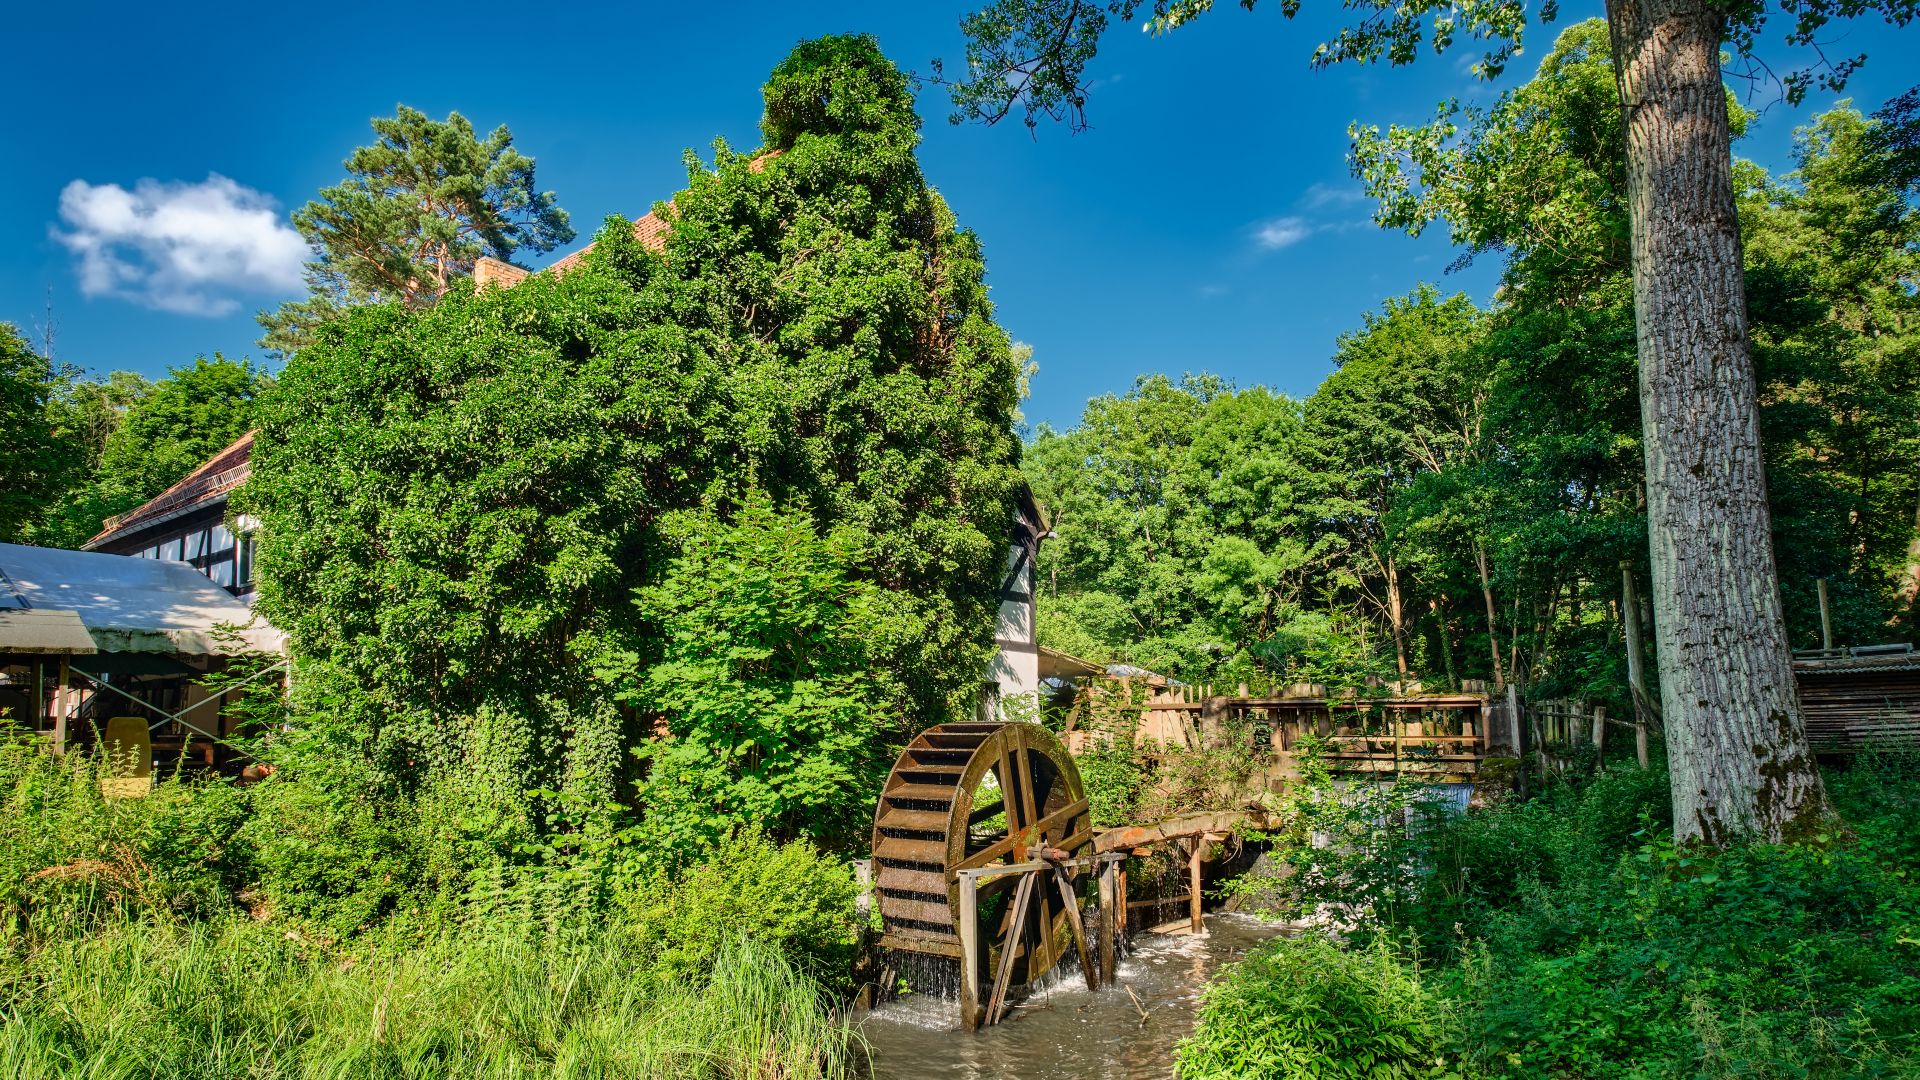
(1062, 1032)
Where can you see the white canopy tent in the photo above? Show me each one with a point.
(79, 603)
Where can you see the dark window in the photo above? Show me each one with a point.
(245, 555)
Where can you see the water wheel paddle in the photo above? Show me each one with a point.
(969, 795)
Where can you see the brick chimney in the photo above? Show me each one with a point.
(491, 271)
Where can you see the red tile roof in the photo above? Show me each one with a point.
(221, 473)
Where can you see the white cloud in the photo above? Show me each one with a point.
(179, 247)
(1281, 232)
(1319, 196)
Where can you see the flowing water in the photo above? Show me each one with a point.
(1062, 1032)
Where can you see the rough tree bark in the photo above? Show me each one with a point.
(1736, 743)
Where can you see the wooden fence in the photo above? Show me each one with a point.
(1439, 736)
(1561, 727)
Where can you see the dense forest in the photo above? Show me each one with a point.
(1455, 501)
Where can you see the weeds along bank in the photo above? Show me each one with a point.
(290, 930)
(1568, 937)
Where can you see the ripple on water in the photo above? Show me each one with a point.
(1062, 1032)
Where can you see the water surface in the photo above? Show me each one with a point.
(1062, 1032)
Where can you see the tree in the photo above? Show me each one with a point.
(134, 439)
(459, 501)
(416, 211)
(1400, 403)
(1740, 758)
(173, 428)
(38, 455)
(775, 709)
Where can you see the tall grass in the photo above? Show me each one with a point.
(299, 929)
(244, 1000)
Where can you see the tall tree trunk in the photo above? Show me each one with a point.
(1910, 587)
(1446, 642)
(1486, 593)
(1736, 743)
(1396, 614)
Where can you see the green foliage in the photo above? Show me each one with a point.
(1347, 854)
(1568, 936)
(418, 208)
(774, 707)
(1463, 489)
(338, 858)
(124, 440)
(1181, 515)
(37, 456)
(791, 898)
(459, 503)
(1308, 1009)
(837, 86)
(238, 1000)
(71, 859)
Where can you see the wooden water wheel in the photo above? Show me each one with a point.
(965, 796)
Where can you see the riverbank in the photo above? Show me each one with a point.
(1569, 936)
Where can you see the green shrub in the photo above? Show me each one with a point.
(71, 858)
(791, 898)
(338, 858)
(1307, 1009)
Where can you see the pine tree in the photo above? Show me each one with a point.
(417, 209)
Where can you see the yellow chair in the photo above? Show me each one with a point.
(129, 747)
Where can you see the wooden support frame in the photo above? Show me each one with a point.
(974, 1013)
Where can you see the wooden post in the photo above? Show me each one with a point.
(1600, 738)
(1109, 896)
(1193, 879)
(1518, 731)
(1120, 909)
(60, 696)
(1826, 617)
(969, 953)
(1070, 900)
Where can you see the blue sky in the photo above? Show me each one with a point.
(1206, 223)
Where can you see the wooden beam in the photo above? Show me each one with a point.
(60, 695)
(969, 953)
(1170, 829)
(1109, 897)
(1004, 846)
(1009, 945)
(1071, 904)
